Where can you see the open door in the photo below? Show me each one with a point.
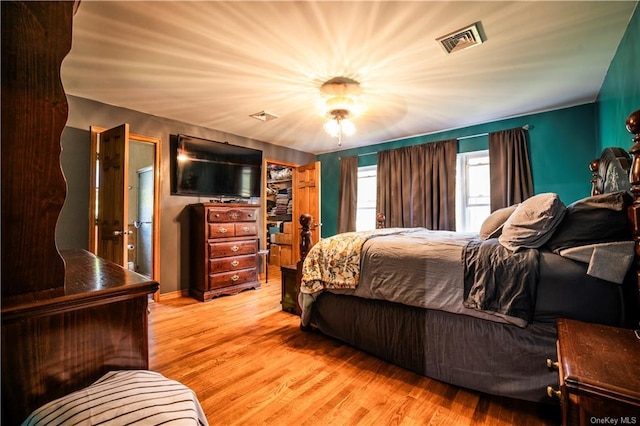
(306, 200)
(113, 179)
(124, 203)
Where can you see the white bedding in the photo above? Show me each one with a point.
(128, 397)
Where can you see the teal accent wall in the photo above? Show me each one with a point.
(620, 92)
(562, 143)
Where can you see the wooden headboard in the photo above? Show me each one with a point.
(619, 170)
(633, 213)
(610, 172)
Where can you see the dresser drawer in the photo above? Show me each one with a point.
(245, 229)
(218, 215)
(227, 279)
(225, 264)
(233, 248)
(223, 230)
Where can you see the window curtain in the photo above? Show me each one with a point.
(348, 193)
(416, 185)
(510, 168)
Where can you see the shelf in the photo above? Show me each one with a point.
(280, 218)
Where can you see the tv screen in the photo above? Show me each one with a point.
(203, 167)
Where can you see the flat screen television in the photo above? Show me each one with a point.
(207, 168)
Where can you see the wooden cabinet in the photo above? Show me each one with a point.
(599, 368)
(52, 346)
(67, 317)
(290, 288)
(224, 249)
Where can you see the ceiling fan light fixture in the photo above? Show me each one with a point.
(332, 127)
(340, 105)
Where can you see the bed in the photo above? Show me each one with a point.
(430, 301)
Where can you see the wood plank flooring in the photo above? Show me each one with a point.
(250, 364)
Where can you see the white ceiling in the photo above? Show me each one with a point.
(213, 63)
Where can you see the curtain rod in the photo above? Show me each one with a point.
(364, 154)
(525, 127)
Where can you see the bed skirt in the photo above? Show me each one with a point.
(491, 357)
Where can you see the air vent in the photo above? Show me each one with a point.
(263, 116)
(462, 39)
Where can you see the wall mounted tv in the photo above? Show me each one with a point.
(201, 167)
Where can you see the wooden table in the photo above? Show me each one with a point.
(290, 289)
(599, 370)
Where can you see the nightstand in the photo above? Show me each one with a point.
(290, 289)
(599, 369)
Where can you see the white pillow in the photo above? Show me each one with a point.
(533, 222)
(492, 226)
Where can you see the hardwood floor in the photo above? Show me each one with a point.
(249, 363)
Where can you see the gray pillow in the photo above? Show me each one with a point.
(492, 226)
(592, 220)
(533, 222)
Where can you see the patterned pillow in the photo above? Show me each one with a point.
(533, 222)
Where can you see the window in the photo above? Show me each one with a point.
(472, 193)
(472, 190)
(366, 205)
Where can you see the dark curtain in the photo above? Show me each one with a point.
(348, 201)
(510, 168)
(416, 185)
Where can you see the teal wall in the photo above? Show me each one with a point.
(620, 92)
(562, 144)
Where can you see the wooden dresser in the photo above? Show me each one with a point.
(67, 317)
(52, 346)
(224, 249)
(599, 369)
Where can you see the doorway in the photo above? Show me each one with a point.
(143, 223)
(124, 203)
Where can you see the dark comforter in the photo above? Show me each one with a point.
(499, 280)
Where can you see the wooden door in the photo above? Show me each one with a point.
(306, 200)
(113, 163)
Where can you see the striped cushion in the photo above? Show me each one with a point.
(124, 398)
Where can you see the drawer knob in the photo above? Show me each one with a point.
(246, 229)
(237, 277)
(552, 393)
(235, 249)
(217, 215)
(235, 263)
(553, 365)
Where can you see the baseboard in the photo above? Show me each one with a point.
(174, 295)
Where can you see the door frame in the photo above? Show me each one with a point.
(95, 132)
